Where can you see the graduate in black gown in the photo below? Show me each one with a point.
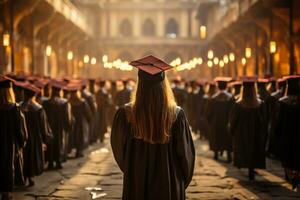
(180, 94)
(123, 96)
(273, 141)
(236, 88)
(210, 89)
(58, 111)
(151, 139)
(288, 129)
(82, 115)
(92, 104)
(39, 133)
(13, 135)
(218, 115)
(103, 103)
(247, 125)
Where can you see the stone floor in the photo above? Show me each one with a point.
(96, 176)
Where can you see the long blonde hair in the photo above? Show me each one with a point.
(7, 96)
(153, 111)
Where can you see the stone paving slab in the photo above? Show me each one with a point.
(213, 180)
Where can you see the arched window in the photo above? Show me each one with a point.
(125, 56)
(171, 28)
(148, 28)
(125, 28)
(171, 56)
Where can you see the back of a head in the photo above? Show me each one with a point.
(153, 111)
(248, 95)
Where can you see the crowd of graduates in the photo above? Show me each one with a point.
(44, 122)
(249, 118)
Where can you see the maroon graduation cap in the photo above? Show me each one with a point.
(151, 65)
(151, 69)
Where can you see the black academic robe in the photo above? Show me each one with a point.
(58, 111)
(39, 132)
(103, 103)
(122, 97)
(91, 101)
(180, 96)
(288, 132)
(218, 112)
(82, 115)
(195, 110)
(273, 141)
(247, 125)
(13, 136)
(204, 109)
(153, 171)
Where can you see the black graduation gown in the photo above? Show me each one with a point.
(218, 112)
(39, 132)
(91, 101)
(180, 96)
(103, 102)
(13, 135)
(153, 171)
(273, 141)
(247, 125)
(82, 116)
(123, 97)
(288, 132)
(58, 111)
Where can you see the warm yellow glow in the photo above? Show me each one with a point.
(248, 52)
(176, 62)
(202, 32)
(244, 61)
(104, 58)
(93, 61)
(276, 57)
(209, 63)
(80, 64)
(199, 61)
(273, 47)
(6, 39)
(210, 54)
(221, 63)
(86, 59)
(48, 50)
(225, 59)
(216, 60)
(70, 55)
(231, 57)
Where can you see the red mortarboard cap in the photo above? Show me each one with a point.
(151, 65)
(280, 80)
(40, 83)
(248, 80)
(5, 82)
(263, 80)
(223, 79)
(151, 68)
(292, 78)
(235, 83)
(58, 84)
(72, 87)
(29, 87)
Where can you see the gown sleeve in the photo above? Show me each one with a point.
(21, 129)
(184, 147)
(119, 136)
(233, 118)
(45, 127)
